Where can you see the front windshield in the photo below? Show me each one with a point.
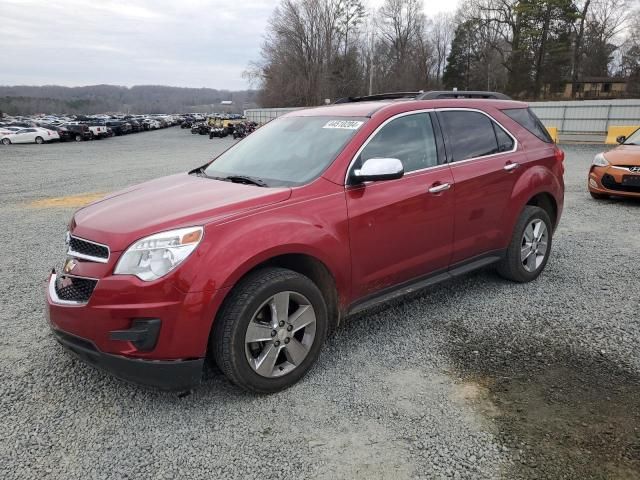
(287, 151)
(633, 139)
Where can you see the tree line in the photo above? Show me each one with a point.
(27, 100)
(531, 49)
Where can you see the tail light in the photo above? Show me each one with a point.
(559, 154)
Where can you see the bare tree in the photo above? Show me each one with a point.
(441, 33)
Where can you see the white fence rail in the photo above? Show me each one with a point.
(589, 117)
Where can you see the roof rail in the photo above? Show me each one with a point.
(461, 94)
(379, 96)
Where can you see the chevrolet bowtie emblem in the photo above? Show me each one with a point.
(69, 265)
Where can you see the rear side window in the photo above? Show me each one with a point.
(470, 134)
(526, 118)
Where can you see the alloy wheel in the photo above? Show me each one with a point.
(280, 334)
(534, 245)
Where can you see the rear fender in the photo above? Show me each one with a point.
(535, 180)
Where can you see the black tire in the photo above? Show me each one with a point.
(227, 342)
(91, 136)
(39, 140)
(78, 138)
(511, 266)
(6, 141)
(599, 196)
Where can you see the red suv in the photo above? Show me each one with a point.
(253, 259)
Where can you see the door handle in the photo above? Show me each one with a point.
(440, 188)
(510, 167)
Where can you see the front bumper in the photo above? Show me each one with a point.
(149, 333)
(177, 375)
(609, 181)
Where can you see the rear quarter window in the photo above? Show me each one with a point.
(470, 134)
(527, 119)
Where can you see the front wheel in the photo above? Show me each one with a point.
(270, 330)
(530, 246)
(6, 141)
(78, 138)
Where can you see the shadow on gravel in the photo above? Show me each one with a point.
(561, 414)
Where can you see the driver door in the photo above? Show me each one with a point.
(401, 229)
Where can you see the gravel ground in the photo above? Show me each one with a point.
(476, 378)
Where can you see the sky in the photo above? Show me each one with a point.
(183, 43)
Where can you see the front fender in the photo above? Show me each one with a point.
(237, 246)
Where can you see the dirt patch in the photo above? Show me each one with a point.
(560, 414)
(75, 201)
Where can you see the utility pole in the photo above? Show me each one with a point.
(371, 64)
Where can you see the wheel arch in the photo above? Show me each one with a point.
(539, 187)
(547, 202)
(305, 264)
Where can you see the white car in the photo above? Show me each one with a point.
(29, 135)
(153, 124)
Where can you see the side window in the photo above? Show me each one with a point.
(526, 118)
(409, 138)
(505, 142)
(470, 134)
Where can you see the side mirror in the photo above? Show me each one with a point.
(621, 139)
(376, 169)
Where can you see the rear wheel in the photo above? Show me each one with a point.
(599, 196)
(270, 330)
(6, 141)
(530, 246)
(39, 140)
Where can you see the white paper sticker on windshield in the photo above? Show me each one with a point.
(346, 124)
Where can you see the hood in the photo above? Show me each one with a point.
(628, 155)
(165, 204)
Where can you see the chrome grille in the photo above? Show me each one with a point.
(74, 289)
(88, 250)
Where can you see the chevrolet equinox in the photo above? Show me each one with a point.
(254, 258)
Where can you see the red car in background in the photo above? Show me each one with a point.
(253, 259)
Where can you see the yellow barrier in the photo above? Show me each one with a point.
(553, 131)
(615, 132)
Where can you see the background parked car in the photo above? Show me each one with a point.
(30, 135)
(79, 132)
(119, 127)
(98, 129)
(64, 134)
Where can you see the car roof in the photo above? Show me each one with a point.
(368, 109)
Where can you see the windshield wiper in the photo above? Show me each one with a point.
(246, 179)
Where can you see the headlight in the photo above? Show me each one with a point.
(153, 257)
(600, 161)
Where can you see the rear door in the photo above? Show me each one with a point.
(484, 162)
(399, 229)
